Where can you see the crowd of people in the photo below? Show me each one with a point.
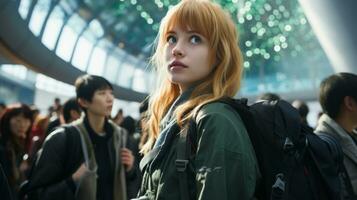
(78, 151)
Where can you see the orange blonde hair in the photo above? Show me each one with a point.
(209, 20)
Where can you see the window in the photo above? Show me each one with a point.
(126, 75)
(112, 67)
(69, 36)
(51, 85)
(24, 8)
(97, 61)
(139, 81)
(38, 16)
(18, 71)
(81, 54)
(53, 28)
(66, 43)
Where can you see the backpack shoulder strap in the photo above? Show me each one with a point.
(87, 147)
(182, 158)
(187, 142)
(337, 154)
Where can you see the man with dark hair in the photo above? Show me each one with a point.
(338, 98)
(71, 110)
(87, 159)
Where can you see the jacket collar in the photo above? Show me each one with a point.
(330, 126)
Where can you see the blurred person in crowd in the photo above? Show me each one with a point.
(71, 110)
(56, 120)
(35, 111)
(129, 124)
(269, 96)
(15, 127)
(199, 60)
(37, 135)
(2, 108)
(5, 191)
(119, 117)
(143, 110)
(57, 103)
(338, 99)
(303, 111)
(88, 159)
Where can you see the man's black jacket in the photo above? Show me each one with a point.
(60, 157)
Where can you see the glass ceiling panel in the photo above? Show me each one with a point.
(97, 61)
(82, 53)
(66, 43)
(69, 6)
(76, 23)
(96, 28)
(139, 81)
(24, 8)
(53, 28)
(18, 71)
(126, 75)
(112, 67)
(38, 16)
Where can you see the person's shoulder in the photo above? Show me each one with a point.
(217, 110)
(61, 132)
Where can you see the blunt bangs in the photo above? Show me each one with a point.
(192, 15)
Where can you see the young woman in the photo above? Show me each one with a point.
(15, 128)
(199, 61)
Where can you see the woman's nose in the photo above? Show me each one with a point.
(178, 50)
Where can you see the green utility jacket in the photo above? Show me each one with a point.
(224, 165)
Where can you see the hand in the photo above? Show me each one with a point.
(127, 158)
(79, 173)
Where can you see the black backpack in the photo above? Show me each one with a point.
(295, 163)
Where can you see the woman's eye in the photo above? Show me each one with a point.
(195, 39)
(171, 39)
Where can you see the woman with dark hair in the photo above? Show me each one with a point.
(15, 126)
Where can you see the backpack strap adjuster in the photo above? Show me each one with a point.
(181, 165)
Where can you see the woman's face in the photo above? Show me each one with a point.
(187, 57)
(19, 125)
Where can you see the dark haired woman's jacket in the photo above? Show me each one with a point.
(224, 166)
(62, 155)
(4, 186)
(11, 161)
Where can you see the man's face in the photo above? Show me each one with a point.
(101, 104)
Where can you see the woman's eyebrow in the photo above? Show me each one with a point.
(171, 32)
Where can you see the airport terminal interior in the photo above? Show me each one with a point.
(288, 47)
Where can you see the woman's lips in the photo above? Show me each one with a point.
(176, 65)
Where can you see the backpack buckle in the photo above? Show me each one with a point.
(181, 165)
